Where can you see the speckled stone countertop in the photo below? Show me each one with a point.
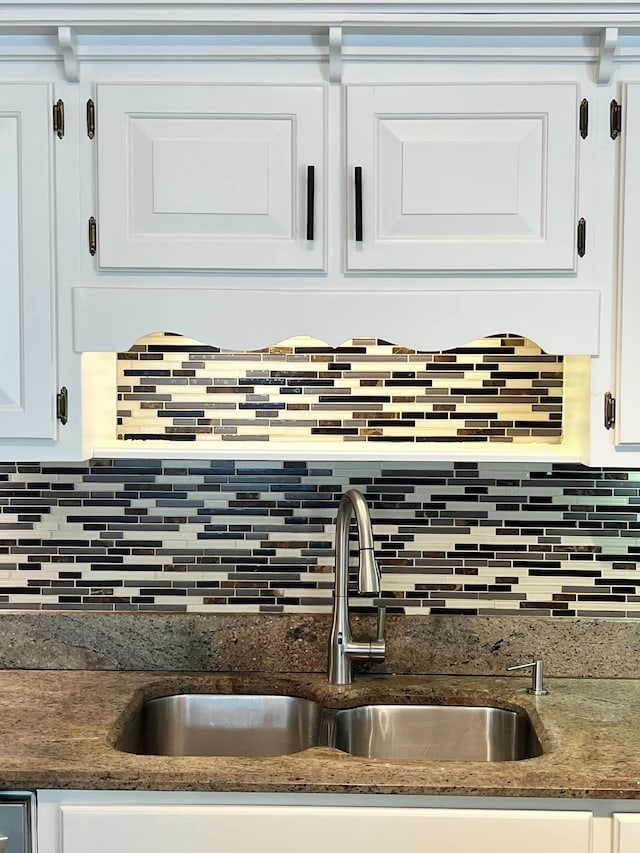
(57, 730)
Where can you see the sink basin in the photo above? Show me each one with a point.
(435, 733)
(207, 724)
(257, 725)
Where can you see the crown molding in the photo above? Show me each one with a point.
(77, 31)
(96, 15)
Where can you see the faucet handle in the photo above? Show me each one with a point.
(382, 613)
(377, 648)
(537, 676)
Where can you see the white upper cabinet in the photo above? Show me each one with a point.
(411, 177)
(27, 361)
(627, 415)
(211, 177)
(463, 177)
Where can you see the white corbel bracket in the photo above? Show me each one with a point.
(68, 42)
(335, 54)
(608, 45)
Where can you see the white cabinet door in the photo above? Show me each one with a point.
(463, 177)
(27, 368)
(627, 399)
(204, 176)
(626, 833)
(316, 829)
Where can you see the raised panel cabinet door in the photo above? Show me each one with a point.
(317, 829)
(627, 427)
(27, 363)
(626, 833)
(467, 177)
(206, 176)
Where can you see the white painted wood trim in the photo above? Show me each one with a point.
(101, 14)
(330, 39)
(251, 319)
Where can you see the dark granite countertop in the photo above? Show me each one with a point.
(57, 730)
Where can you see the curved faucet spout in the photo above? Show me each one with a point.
(353, 502)
(342, 647)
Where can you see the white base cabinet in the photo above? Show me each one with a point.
(69, 825)
(316, 829)
(626, 833)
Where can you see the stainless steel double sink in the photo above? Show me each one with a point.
(257, 725)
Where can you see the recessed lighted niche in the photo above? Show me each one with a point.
(502, 388)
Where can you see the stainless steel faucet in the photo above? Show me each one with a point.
(342, 647)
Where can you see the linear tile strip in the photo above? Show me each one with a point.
(487, 539)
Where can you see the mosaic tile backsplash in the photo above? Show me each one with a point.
(497, 389)
(487, 539)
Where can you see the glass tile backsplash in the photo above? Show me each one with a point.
(497, 389)
(533, 539)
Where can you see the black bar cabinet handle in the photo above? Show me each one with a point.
(311, 198)
(357, 176)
